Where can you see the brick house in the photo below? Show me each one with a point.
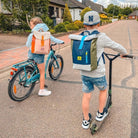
(133, 15)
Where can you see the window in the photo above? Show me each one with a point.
(50, 11)
(62, 13)
(57, 12)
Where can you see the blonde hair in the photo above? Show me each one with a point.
(36, 20)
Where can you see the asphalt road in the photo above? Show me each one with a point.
(60, 114)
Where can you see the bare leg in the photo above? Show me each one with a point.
(85, 104)
(102, 100)
(41, 68)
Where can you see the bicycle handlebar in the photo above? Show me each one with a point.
(53, 44)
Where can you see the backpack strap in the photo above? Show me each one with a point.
(85, 32)
(82, 41)
(100, 58)
(95, 32)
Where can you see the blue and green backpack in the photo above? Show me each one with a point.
(84, 51)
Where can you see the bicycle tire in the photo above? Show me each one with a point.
(17, 90)
(55, 70)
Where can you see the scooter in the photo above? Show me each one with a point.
(95, 125)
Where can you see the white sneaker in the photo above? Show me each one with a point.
(44, 92)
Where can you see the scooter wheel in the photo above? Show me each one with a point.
(93, 129)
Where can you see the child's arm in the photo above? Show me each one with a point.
(29, 40)
(56, 40)
(108, 43)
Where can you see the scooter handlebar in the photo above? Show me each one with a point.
(128, 56)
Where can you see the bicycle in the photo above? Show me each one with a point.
(24, 75)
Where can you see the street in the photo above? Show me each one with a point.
(60, 115)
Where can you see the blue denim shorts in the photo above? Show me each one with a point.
(38, 58)
(89, 82)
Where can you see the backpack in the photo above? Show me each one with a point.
(84, 51)
(40, 42)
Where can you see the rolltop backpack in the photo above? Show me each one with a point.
(40, 42)
(84, 51)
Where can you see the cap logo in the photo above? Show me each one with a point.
(90, 18)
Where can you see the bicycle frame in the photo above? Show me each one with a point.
(35, 76)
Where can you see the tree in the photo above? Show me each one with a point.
(21, 9)
(67, 15)
(113, 9)
(84, 11)
(127, 11)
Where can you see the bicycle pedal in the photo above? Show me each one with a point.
(45, 86)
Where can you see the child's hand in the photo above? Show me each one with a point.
(123, 56)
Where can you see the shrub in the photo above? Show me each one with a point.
(84, 11)
(49, 22)
(67, 14)
(72, 26)
(52, 31)
(5, 22)
(66, 22)
(79, 23)
(60, 28)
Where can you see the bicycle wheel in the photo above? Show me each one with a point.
(17, 89)
(56, 67)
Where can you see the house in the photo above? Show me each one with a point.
(96, 7)
(133, 15)
(75, 8)
(56, 9)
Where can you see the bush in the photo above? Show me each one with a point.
(66, 22)
(5, 22)
(79, 23)
(60, 28)
(49, 22)
(67, 15)
(72, 26)
(84, 11)
(52, 31)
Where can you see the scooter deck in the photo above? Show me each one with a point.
(96, 125)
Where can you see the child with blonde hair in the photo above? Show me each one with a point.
(36, 24)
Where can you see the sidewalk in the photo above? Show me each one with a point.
(13, 56)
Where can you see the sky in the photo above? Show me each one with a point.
(105, 3)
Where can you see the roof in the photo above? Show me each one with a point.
(58, 2)
(134, 13)
(75, 4)
(72, 3)
(93, 6)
